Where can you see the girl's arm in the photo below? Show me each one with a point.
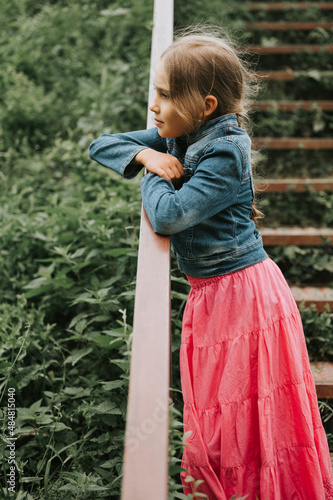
(118, 151)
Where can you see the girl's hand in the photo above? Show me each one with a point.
(162, 164)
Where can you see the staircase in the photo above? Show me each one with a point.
(281, 65)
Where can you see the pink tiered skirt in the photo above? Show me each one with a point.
(249, 398)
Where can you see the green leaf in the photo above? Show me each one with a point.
(121, 363)
(77, 355)
(77, 392)
(113, 384)
(111, 463)
(107, 408)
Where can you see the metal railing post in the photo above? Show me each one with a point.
(147, 427)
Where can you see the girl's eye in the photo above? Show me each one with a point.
(161, 93)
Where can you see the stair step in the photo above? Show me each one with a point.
(291, 143)
(283, 75)
(289, 5)
(288, 49)
(322, 372)
(289, 74)
(284, 236)
(280, 26)
(294, 185)
(307, 295)
(292, 105)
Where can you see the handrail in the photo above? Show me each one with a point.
(147, 427)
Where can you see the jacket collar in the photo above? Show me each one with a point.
(206, 128)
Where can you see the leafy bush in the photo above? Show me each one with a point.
(313, 206)
(69, 233)
(76, 68)
(67, 288)
(69, 237)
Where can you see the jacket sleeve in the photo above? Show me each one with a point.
(213, 187)
(117, 151)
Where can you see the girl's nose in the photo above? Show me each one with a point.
(153, 106)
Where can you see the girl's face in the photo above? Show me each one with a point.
(168, 121)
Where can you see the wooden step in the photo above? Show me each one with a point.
(291, 143)
(283, 75)
(289, 5)
(318, 296)
(292, 105)
(300, 236)
(322, 372)
(288, 49)
(294, 185)
(289, 74)
(280, 26)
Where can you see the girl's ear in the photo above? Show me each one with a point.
(210, 105)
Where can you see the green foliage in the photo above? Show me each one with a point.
(69, 237)
(75, 430)
(304, 264)
(28, 117)
(312, 207)
(295, 163)
(70, 68)
(69, 231)
(300, 123)
(318, 329)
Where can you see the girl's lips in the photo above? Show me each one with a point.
(158, 123)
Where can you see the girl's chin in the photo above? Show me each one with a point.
(166, 135)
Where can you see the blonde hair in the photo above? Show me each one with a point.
(204, 61)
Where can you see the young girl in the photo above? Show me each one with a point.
(249, 396)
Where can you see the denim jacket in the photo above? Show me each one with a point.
(208, 218)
